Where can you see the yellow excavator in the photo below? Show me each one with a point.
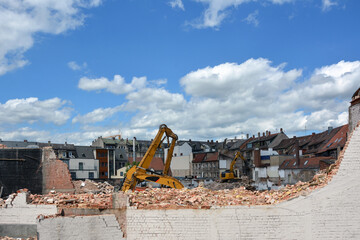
(140, 173)
(229, 175)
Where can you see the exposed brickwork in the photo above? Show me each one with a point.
(56, 174)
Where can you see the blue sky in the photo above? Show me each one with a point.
(210, 69)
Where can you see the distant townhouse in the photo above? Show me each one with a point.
(354, 110)
(265, 142)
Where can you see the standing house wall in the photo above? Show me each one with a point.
(20, 168)
(354, 116)
(55, 173)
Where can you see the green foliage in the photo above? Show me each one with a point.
(130, 165)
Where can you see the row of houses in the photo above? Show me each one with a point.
(271, 159)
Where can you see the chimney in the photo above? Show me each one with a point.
(189, 140)
(212, 141)
(49, 142)
(267, 133)
(65, 143)
(297, 150)
(263, 134)
(253, 136)
(330, 129)
(247, 136)
(281, 130)
(25, 141)
(208, 141)
(257, 158)
(259, 134)
(313, 134)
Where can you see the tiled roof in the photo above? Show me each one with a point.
(84, 152)
(157, 163)
(265, 138)
(305, 163)
(199, 157)
(339, 139)
(212, 157)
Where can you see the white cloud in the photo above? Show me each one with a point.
(217, 10)
(226, 100)
(328, 4)
(26, 133)
(252, 18)
(74, 66)
(20, 20)
(230, 99)
(30, 110)
(177, 4)
(98, 115)
(116, 86)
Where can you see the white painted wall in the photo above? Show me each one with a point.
(181, 163)
(89, 165)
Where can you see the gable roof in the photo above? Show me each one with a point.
(157, 163)
(305, 163)
(198, 157)
(84, 152)
(212, 157)
(339, 139)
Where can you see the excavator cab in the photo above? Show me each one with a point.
(229, 175)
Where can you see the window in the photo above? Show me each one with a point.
(70, 154)
(64, 154)
(174, 154)
(106, 173)
(121, 174)
(91, 175)
(81, 166)
(306, 162)
(181, 154)
(121, 156)
(73, 175)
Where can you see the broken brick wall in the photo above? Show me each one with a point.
(55, 173)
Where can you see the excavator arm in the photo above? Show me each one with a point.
(232, 164)
(140, 173)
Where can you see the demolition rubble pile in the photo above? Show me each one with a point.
(217, 185)
(88, 194)
(89, 186)
(203, 198)
(85, 200)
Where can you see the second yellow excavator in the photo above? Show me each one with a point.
(140, 173)
(229, 175)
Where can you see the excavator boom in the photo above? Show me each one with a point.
(140, 173)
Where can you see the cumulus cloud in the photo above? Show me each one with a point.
(26, 133)
(252, 18)
(230, 99)
(328, 4)
(226, 100)
(116, 86)
(98, 115)
(21, 20)
(217, 10)
(76, 67)
(177, 4)
(30, 110)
